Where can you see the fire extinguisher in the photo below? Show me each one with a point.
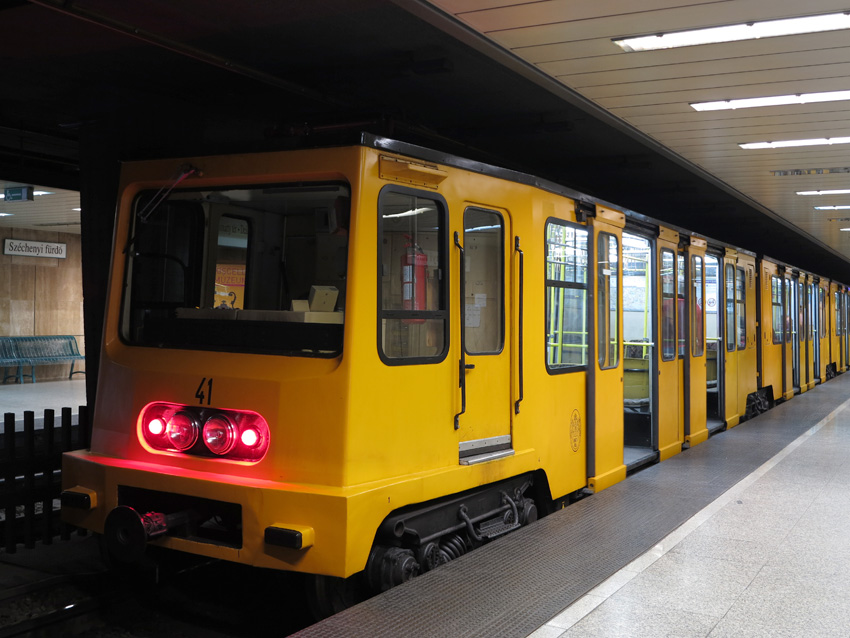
(413, 281)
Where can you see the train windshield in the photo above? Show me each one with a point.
(257, 269)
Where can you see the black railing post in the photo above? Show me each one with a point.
(48, 469)
(67, 446)
(9, 482)
(29, 479)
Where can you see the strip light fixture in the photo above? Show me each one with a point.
(840, 191)
(832, 207)
(774, 100)
(736, 32)
(821, 141)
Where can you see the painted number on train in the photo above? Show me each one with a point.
(200, 395)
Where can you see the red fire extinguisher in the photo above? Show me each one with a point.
(413, 263)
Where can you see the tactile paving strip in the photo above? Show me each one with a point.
(518, 583)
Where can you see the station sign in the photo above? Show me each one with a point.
(25, 248)
(18, 194)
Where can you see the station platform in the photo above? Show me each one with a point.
(743, 535)
(41, 396)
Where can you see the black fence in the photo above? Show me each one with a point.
(31, 475)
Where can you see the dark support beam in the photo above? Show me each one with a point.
(99, 164)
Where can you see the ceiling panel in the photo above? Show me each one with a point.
(571, 42)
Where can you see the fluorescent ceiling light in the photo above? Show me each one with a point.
(774, 100)
(846, 230)
(409, 213)
(6, 215)
(811, 171)
(842, 191)
(36, 193)
(735, 32)
(789, 143)
(832, 207)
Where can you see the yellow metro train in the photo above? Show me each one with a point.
(361, 362)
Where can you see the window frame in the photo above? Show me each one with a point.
(554, 283)
(697, 336)
(674, 298)
(503, 292)
(603, 360)
(731, 299)
(776, 302)
(445, 288)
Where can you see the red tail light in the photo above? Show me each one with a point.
(238, 435)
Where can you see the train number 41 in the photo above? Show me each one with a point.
(200, 395)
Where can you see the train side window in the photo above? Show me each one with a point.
(697, 344)
(668, 305)
(413, 316)
(789, 312)
(730, 307)
(776, 300)
(484, 281)
(741, 302)
(680, 283)
(608, 329)
(566, 296)
(838, 327)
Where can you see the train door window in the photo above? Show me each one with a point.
(697, 324)
(668, 305)
(411, 280)
(801, 312)
(789, 312)
(608, 332)
(683, 328)
(566, 296)
(484, 315)
(741, 301)
(811, 312)
(776, 300)
(838, 329)
(730, 307)
(231, 262)
(822, 312)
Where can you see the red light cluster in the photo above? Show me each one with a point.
(238, 435)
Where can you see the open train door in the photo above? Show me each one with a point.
(605, 464)
(670, 427)
(484, 422)
(696, 430)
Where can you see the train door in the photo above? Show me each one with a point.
(485, 424)
(728, 346)
(670, 427)
(772, 331)
(605, 452)
(640, 435)
(746, 336)
(713, 345)
(809, 287)
(696, 430)
(822, 338)
(835, 327)
(790, 343)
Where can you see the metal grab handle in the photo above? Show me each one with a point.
(462, 364)
(521, 311)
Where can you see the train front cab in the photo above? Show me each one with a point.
(432, 379)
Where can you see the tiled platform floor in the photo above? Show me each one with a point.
(771, 557)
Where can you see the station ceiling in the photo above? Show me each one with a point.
(535, 86)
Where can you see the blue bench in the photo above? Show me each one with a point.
(20, 352)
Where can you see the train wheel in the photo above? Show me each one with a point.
(329, 595)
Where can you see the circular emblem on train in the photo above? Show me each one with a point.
(575, 430)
